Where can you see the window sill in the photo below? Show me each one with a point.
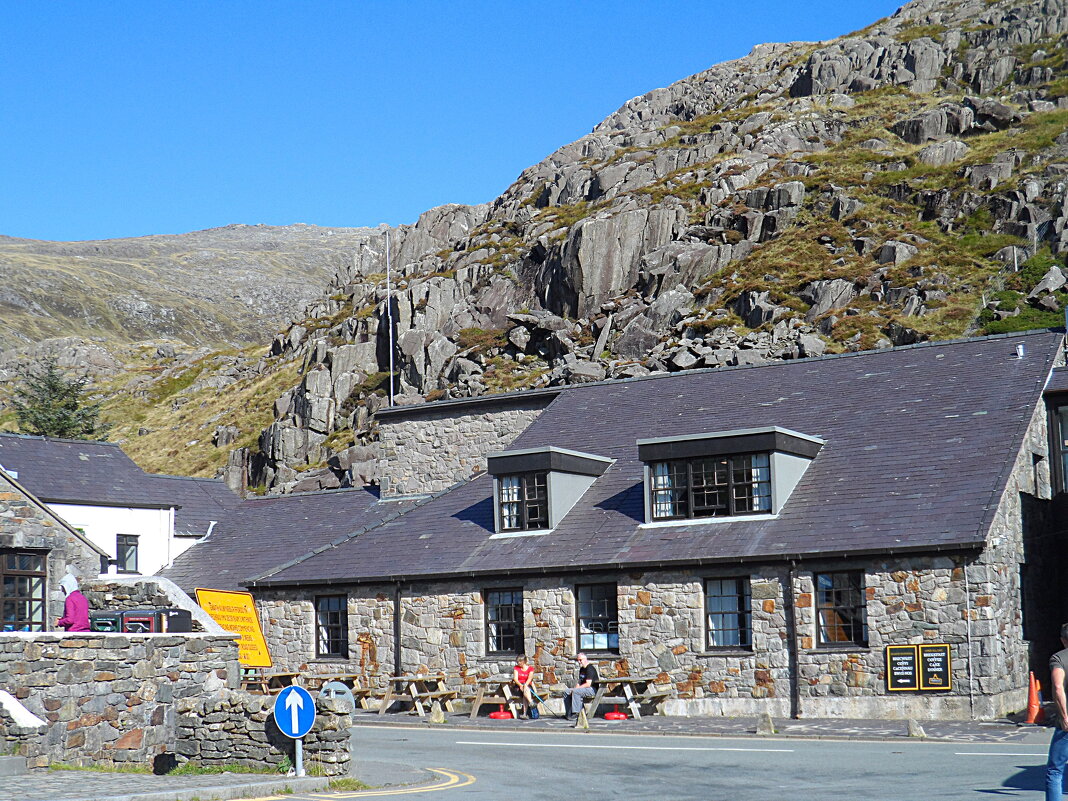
(507, 535)
(704, 521)
(326, 658)
(845, 648)
(726, 652)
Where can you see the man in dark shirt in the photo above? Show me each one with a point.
(586, 687)
(1058, 747)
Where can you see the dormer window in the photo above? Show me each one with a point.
(523, 500)
(533, 489)
(725, 474)
(707, 487)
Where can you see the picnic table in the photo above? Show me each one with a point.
(418, 690)
(257, 680)
(634, 691)
(496, 690)
(362, 693)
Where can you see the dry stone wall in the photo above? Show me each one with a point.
(427, 450)
(150, 700)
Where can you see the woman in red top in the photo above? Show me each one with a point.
(523, 678)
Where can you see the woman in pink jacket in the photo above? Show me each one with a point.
(75, 608)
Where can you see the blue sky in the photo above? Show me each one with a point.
(132, 118)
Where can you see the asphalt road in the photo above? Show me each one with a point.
(576, 765)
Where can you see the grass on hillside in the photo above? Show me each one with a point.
(179, 438)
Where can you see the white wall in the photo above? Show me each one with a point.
(156, 546)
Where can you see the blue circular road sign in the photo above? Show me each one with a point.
(294, 712)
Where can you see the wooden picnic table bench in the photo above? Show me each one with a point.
(418, 690)
(634, 691)
(257, 680)
(363, 694)
(496, 690)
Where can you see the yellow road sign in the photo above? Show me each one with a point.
(236, 612)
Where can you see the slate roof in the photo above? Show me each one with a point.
(261, 533)
(920, 442)
(80, 472)
(199, 501)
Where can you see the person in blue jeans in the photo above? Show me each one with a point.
(1058, 747)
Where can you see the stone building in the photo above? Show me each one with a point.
(37, 549)
(763, 537)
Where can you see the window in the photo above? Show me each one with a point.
(711, 486)
(840, 609)
(598, 624)
(728, 613)
(1059, 435)
(504, 621)
(332, 626)
(524, 501)
(23, 578)
(126, 553)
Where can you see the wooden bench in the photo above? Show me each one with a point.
(256, 680)
(501, 695)
(418, 690)
(363, 695)
(632, 691)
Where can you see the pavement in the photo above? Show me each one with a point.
(395, 778)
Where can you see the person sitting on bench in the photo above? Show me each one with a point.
(585, 689)
(523, 679)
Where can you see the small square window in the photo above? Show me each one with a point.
(728, 613)
(840, 609)
(23, 578)
(126, 553)
(523, 501)
(598, 618)
(504, 621)
(332, 627)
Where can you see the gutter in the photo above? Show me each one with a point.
(789, 558)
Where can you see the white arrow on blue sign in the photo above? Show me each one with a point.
(294, 712)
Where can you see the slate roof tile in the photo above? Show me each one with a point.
(919, 444)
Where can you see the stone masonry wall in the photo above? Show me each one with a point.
(427, 451)
(662, 632)
(135, 699)
(110, 698)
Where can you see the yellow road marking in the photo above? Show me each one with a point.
(453, 779)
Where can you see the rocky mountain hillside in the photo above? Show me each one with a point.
(226, 286)
(901, 183)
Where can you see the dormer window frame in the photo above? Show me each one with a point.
(782, 457)
(533, 491)
(567, 476)
(696, 483)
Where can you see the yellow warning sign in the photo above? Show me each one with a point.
(236, 612)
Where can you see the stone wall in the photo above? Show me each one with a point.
(429, 448)
(662, 631)
(112, 699)
(27, 524)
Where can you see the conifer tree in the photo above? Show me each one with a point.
(50, 404)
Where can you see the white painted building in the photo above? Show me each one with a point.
(142, 521)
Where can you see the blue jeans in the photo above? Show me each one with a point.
(1058, 756)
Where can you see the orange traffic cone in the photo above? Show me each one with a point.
(1034, 708)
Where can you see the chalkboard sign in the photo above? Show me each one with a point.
(935, 666)
(902, 671)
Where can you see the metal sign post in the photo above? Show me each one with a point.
(294, 714)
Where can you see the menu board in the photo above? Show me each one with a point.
(902, 671)
(935, 667)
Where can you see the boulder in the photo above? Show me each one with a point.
(755, 308)
(670, 307)
(637, 339)
(939, 154)
(1051, 282)
(822, 296)
(844, 207)
(584, 372)
(893, 252)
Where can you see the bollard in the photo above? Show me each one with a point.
(436, 713)
(915, 729)
(765, 725)
(583, 722)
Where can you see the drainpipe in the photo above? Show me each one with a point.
(397, 667)
(791, 644)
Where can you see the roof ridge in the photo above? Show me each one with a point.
(72, 440)
(442, 404)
